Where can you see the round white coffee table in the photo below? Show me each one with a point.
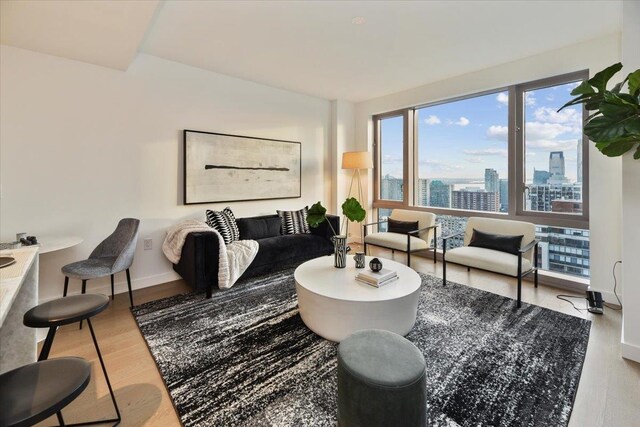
(333, 304)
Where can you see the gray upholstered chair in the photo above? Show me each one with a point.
(113, 255)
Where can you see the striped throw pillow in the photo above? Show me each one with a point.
(294, 222)
(224, 222)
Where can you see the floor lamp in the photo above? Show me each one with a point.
(356, 160)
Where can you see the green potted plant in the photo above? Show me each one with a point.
(352, 211)
(614, 120)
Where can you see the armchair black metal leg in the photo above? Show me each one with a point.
(535, 260)
(468, 269)
(48, 342)
(112, 289)
(365, 249)
(84, 290)
(209, 292)
(60, 419)
(106, 376)
(129, 284)
(519, 280)
(66, 286)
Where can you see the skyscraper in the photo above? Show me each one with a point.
(491, 181)
(439, 194)
(556, 163)
(540, 177)
(504, 195)
(579, 165)
(475, 200)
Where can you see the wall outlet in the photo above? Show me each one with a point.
(148, 244)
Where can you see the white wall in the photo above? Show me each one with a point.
(605, 175)
(631, 201)
(82, 146)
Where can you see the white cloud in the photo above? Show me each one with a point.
(475, 160)
(498, 132)
(487, 152)
(552, 144)
(462, 121)
(541, 130)
(503, 98)
(530, 153)
(569, 116)
(529, 99)
(432, 120)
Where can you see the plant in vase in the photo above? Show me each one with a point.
(352, 211)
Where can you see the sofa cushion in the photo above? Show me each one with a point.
(280, 249)
(259, 227)
(497, 242)
(224, 222)
(401, 227)
(487, 259)
(294, 222)
(395, 241)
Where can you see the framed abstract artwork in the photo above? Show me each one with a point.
(227, 168)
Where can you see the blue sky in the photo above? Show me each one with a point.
(460, 139)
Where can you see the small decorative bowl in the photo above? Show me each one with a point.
(375, 265)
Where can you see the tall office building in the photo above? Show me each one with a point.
(556, 163)
(541, 197)
(391, 188)
(504, 195)
(475, 200)
(439, 194)
(579, 162)
(491, 181)
(422, 195)
(563, 250)
(540, 177)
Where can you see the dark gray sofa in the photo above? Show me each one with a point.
(198, 264)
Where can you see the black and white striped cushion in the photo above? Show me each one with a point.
(294, 222)
(225, 223)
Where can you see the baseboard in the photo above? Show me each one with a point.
(629, 351)
(119, 288)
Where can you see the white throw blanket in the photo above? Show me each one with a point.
(233, 259)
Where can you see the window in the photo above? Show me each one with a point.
(392, 158)
(502, 153)
(462, 154)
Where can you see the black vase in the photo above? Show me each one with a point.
(375, 265)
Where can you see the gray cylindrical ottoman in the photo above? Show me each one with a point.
(381, 381)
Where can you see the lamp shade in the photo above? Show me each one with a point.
(357, 160)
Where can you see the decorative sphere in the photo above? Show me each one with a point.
(375, 265)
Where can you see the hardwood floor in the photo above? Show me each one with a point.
(608, 395)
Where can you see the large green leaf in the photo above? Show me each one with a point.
(352, 209)
(634, 82)
(605, 128)
(614, 149)
(583, 89)
(316, 215)
(600, 79)
(581, 100)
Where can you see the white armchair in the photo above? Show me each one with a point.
(415, 240)
(520, 265)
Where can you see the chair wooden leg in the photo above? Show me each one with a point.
(129, 285)
(66, 286)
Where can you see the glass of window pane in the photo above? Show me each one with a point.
(462, 154)
(553, 151)
(391, 158)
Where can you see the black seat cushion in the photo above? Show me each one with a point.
(34, 392)
(282, 249)
(63, 311)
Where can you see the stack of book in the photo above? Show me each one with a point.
(378, 279)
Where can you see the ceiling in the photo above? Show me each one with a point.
(310, 47)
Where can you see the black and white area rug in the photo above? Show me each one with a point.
(244, 357)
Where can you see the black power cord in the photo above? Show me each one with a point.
(615, 285)
(564, 298)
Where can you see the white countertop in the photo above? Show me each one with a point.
(12, 277)
(321, 277)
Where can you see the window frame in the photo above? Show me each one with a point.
(515, 157)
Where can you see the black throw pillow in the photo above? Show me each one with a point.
(497, 242)
(401, 227)
(256, 228)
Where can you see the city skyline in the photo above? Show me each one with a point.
(460, 139)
